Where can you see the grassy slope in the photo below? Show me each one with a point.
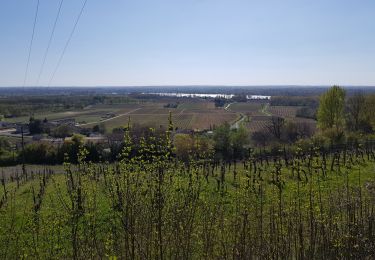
(17, 227)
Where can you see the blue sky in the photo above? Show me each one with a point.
(192, 42)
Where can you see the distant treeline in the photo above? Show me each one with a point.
(250, 90)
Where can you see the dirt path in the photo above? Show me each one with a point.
(265, 111)
(237, 123)
(108, 119)
(227, 106)
(182, 111)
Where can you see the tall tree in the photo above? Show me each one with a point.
(356, 108)
(239, 137)
(370, 111)
(222, 141)
(331, 109)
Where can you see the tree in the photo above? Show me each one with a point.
(370, 111)
(71, 148)
(358, 119)
(276, 126)
(294, 131)
(260, 138)
(39, 152)
(99, 128)
(62, 131)
(219, 102)
(5, 144)
(331, 109)
(229, 143)
(96, 129)
(35, 126)
(222, 141)
(239, 138)
(183, 144)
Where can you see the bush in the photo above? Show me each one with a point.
(62, 131)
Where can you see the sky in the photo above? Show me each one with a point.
(190, 42)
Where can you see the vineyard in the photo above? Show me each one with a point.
(314, 203)
(258, 123)
(283, 111)
(190, 115)
(248, 108)
(259, 115)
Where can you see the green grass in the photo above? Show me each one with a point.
(21, 235)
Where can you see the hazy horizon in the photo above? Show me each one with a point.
(196, 86)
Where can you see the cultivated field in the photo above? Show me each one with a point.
(264, 208)
(283, 111)
(187, 113)
(249, 108)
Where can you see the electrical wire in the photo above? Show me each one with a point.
(67, 43)
(49, 42)
(31, 44)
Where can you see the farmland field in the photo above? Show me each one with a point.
(194, 105)
(87, 114)
(249, 108)
(283, 111)
(211, 120)
(258, 123)
(200, 115)
(271, 203)
(190, 114)
(181, 119)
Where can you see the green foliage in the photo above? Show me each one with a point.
(239, 138)
(4, 144)
(370, 110)
(330, 114)
(39, 153)
(358, 118)
(309, 205)
(331, 109)
(35, 126)
(230, 143)
(222, 141)
(189, 147)
(62, 131)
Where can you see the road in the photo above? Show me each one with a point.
(236, 124)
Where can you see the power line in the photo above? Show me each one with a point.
(49, 42)
(31, 44)
(67, 43)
